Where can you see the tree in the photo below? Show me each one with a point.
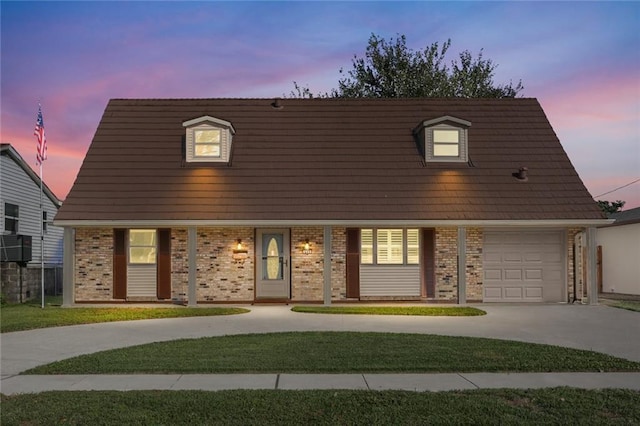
(391, 70)
(609, 207)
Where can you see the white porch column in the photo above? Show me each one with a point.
(68, 266)
(192, 252)
(592, 266)
(462, 265)
(326, 274)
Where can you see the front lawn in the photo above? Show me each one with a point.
(28, 316)
(433, 311)
(630, 305)
(336, 352)
(324, 407)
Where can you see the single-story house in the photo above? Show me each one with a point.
(324, 200)
(620, 248)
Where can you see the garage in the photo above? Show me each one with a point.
(524, 266)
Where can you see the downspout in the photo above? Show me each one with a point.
(575, 274)
(462, 262)
(326, 274)
(592, 285)
(68, 265)
(192, 250)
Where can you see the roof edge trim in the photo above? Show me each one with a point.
(354, 223)
(15, 155)
(434, 121)
(208, 118)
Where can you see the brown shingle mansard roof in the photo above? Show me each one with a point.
(325, 159)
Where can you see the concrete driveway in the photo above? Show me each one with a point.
(598, 328)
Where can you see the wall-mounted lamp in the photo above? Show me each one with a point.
(306, 248)
(239, 247)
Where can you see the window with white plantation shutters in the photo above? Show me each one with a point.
(413, 247)
(366, 246)
(390, 250)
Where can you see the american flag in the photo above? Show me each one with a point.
(42, 139)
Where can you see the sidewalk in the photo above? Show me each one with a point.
(376, 382)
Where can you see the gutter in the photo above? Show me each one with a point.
(563, 223)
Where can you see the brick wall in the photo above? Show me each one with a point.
(339, 263)
(23, 284)
(179, 265)
(307, 281)
(223, 276)
(93, 268)
(571, 234)
(227, 277)
(473, 266)
(446, 264)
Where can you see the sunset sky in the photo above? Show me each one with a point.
(580, 59)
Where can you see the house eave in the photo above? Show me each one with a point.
(556, 223)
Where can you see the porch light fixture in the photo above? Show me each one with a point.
(306, 249)
(239, 247)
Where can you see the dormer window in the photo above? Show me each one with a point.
(446, 143)
(445, 139)
(208, 140)
(207, 143)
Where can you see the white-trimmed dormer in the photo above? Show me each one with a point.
(208, 140)
(446, 139)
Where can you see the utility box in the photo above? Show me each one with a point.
(16, 248)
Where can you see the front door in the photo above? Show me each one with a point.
(272, 264)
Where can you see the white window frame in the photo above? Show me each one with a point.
(442, 142)
(204, 124)
(212, 144)
(446, 124)
(371, 252)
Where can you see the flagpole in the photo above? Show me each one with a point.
(40, 157)
(41, 238)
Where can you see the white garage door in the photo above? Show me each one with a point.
(524, 266)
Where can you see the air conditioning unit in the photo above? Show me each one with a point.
(15, 248)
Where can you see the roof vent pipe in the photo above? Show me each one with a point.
(276, 104)
(521, 174)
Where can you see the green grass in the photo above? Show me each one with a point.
(557, 406)
(630, 305)
(28, 316)
(436, 311)
(336, 352)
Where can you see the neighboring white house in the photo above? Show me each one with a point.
(21, 216)
(620, 244)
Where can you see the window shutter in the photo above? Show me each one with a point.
(390, 246)
(353, 263)
(366, 246)
(413, 247)
(164, 264)
(119, 263)
(428, 264)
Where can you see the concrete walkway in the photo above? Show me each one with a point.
(599, 328)
(408, 382)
